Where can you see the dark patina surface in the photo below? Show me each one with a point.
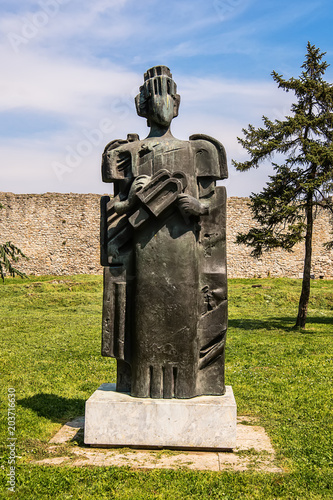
(163, 248)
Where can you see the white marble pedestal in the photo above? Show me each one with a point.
(117, 419)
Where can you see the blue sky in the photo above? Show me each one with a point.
(71, 68)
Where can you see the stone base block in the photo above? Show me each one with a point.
(117, 419)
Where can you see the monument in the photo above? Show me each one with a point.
(163, 248)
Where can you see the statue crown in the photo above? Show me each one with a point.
(157, 71)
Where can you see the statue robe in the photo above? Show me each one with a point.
(165, 284)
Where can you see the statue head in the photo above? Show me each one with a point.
(158, 100)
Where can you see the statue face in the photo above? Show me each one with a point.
(158, 100)
(161, 109)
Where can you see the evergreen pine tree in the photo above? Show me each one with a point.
(303, 181)
(9, 254)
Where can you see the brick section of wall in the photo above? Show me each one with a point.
(60, 235)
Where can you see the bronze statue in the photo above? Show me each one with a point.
(163, 248)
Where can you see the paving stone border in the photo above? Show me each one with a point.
(254, 451)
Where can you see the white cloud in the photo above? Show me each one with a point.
(80, 68)
(84, 93)
(59, 86)
(61, 162)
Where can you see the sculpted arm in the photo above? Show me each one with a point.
(122, 207)
(191, 206)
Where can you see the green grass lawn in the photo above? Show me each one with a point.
(50, 355)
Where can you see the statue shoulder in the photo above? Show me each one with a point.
(210, 156)
(116, 159)
(120, 142)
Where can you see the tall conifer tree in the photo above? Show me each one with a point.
(303, 181)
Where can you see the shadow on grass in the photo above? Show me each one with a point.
(286, 323)
(56, 408)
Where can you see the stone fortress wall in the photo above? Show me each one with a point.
(60, 235)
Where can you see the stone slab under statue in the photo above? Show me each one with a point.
(163, 248)
(204, 422)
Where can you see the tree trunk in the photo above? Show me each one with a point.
(305, 294)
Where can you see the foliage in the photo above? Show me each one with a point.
(9, 253)
(51, 355)
(303, 180)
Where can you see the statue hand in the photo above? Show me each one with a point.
(191, 206)
(138, 184)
